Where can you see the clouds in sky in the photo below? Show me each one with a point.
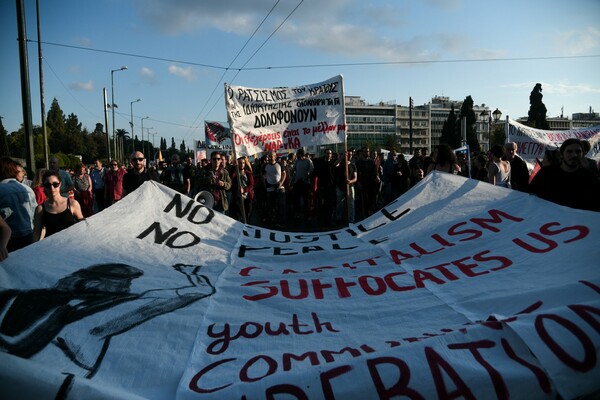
(187, 73)
(361, 31)
(148, 76)
(578, 42)
(86, 86)
(562, 88)
(345, 27)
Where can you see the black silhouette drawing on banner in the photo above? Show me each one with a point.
(33, 319)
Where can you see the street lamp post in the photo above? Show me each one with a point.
(131, 123)
(492, 119)
(153, 152)
(143, 135)
(113, 106)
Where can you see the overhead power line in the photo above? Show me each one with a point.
(354, 64)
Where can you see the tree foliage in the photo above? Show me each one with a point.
(56, 124)
(537, 110)
(451, 130)
(390, 142)
(4, 149)
(66, 138)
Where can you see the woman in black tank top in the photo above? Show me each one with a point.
(57, 212)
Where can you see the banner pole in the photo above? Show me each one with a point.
(237, 168)
(239, 179)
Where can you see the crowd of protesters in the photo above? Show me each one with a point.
(295, 191)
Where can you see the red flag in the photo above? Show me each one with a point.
(215, 132)
(536, 168)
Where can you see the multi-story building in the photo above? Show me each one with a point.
(577, 121)
(372, 125)
(421, 132)
(380, 125)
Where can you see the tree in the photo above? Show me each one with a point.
(182, 148)
(466, 110)
(498, 136)
(123, 138)
(16, 143)
(173, 146)
(74, 135)
(451, 130)
(98, 139)
(4, 151)
(55, 122)
(390, 142)
(537, 110)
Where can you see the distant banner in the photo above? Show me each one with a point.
(286, 118)
(217, 135)
(532, 143)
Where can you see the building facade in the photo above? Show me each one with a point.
(386, 124)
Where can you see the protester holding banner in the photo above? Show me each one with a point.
(301, 190)
(138, 174)
(38, 185)
(570, 183)
(274, 177)
(176, 177)
(5, 233)
(323, 173)
(519, 173)
(444, 160)
(113, 183)
(82, 186)
(345, 187)
(590, 163)
(480, 171)
(67, 182)
(499, 171)
(244, 194)
(17, 205)
(551, 157)
(216, 180)
(97, 175)
(57, 212)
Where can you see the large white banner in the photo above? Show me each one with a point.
(532, 143)
(286, 118)
(456, 289)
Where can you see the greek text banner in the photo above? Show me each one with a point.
(286, 118)
(532, 143)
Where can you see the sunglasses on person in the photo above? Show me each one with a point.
(216, 158)
(115, 165)
(137, 159)
(48, 185)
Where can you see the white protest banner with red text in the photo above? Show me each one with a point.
(532, 143)
(286, 118)
(456, 289)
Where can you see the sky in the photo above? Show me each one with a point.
(180, 53)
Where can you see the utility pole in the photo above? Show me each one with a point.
(410, 125)
(25, 93)
(41, 74)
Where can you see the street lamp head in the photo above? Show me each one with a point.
(484, 115)
(497, 114)
(124, 67)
